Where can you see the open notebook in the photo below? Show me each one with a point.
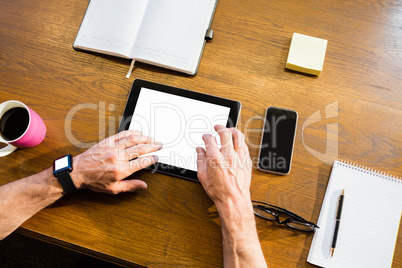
(371, 215)
(169, 34)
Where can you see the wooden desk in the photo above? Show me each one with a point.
(173, 223)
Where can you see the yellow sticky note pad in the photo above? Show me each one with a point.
(306, 54)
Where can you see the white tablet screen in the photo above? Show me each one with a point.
(178, 122)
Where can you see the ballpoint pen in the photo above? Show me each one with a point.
(338, 222)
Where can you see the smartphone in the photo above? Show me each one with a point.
(277, 140)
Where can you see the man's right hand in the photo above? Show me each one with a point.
(225, 173)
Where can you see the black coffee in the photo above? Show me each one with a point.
(13, 123)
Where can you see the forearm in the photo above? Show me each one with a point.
(241, 247)
(21, 199)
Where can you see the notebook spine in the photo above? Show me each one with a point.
(370, 171)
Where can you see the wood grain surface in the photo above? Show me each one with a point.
(351, 111)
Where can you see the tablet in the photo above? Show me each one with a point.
(178, 118)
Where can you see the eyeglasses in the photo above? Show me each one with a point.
(282, 216)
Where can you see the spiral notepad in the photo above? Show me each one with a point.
(371, 215)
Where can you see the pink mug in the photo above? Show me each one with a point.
(20, 127)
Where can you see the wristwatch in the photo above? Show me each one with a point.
(61, 170)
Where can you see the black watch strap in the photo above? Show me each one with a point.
(66, 181)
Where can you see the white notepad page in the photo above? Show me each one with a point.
(370, 219)
(111, 26)
(173, 33)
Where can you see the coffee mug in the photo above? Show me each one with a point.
(20, 127)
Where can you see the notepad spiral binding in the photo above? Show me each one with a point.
(370, 171)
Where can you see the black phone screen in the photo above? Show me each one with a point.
(277, 140)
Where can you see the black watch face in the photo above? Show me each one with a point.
(62, 163)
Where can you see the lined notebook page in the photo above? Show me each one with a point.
(370, 219)
(111, 26)
(173, 33)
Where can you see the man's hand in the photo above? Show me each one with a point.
(103, 167)
(225, 173)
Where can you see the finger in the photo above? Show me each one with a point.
(200, 152)
(211, 145)
(226, 137)
(239, 144)
(141, 149)
(124, 134)
(141, 163)
(112, 140)
(200, 159)
(134, 139)
(123, 169)
(128, 186)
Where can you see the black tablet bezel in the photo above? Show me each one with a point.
(138, 84)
